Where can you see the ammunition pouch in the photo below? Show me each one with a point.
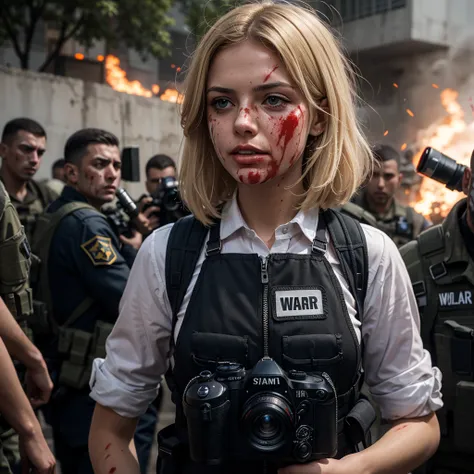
(40, 322)
(173, 454)
(78, 349)
(455, 351)
(358, 422)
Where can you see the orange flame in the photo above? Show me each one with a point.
(385, 133)
(453, 137)
(395, 85)
(403, 147)
(435, 86)
(79, 56)
(410, 113)
(116, 77)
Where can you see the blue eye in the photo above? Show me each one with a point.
(220, 104)
(276, 101)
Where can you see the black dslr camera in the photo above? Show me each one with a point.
(263, 414)
(441, 168)
(168, 199)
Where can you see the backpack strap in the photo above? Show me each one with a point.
(184, 247)
(46, 228)
(350, 244)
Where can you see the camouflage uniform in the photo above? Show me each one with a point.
(14, 290)
(401, 223)
(441, 267)
(38, 197)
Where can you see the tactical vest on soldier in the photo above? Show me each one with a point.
(14, 261)
(442, 273)
(401, 223)
(38, 197)
(76, 348)
(359, 213)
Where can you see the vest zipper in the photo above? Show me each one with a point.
(264, 274)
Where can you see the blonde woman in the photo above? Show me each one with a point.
(272, 142)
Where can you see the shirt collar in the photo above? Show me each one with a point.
(70, 194)
(232, 221)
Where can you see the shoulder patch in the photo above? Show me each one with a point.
(100, 250)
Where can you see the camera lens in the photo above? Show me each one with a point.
(268, 422)
(441, 168)
(267, 427)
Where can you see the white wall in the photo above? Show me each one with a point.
(63, 106)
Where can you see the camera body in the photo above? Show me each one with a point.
(262, 414)
(168, 199)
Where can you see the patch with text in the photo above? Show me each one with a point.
(302, 303)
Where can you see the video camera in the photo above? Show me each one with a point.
(261, 414)
(441, 168)
(168, 199)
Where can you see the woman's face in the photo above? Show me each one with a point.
(258, 120)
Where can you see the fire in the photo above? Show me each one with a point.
(116, 77)
(453, 137)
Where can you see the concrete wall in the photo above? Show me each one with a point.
(64, 105)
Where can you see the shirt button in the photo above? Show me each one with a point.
(285, 230)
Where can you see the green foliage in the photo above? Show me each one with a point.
(138, 24)
(202, 14)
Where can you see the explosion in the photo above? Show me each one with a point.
(452, 136)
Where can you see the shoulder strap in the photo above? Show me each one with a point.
(349, 241)
(182, 254)
(431, 246)
(46, 228)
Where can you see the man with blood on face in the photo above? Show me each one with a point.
(441, 266)
(22, 147)
(88, 267)
(271, 142)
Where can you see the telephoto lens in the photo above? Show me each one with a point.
(441, 168)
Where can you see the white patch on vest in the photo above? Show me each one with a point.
(451, 298)
(298, 303)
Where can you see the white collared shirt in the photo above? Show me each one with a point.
(398, 370)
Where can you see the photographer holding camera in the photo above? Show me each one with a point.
(267, 306)
(441, 267)
(160, 177)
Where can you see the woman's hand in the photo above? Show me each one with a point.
(348, 465)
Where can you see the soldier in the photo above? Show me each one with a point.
(400, 222)
(22, 148)
(83, 271)
(441, 267)
(16, 303)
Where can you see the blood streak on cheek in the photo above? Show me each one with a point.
(269, 74)
(287, 129)
(108, 446)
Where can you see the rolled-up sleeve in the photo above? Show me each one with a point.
(398, 370)
(128, 379)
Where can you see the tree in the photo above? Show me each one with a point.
(202, 14)
(138, 24)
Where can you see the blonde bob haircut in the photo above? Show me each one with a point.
(335, 163)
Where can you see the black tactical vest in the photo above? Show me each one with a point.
(446, 301)
(286, 306)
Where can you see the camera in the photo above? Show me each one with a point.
(262, 414)
(441, 168)
(168, 199)
(116, 217)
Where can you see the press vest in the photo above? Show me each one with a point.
(446, 299)
(286, 306)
